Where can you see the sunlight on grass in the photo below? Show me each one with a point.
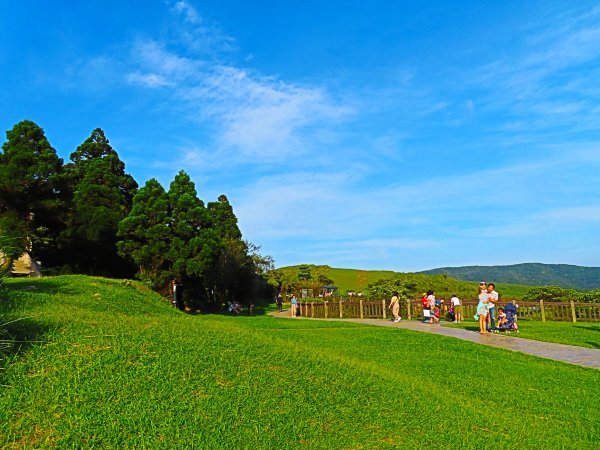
(581, 334)
(118, 367)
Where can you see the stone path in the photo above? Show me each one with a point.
(586, 357)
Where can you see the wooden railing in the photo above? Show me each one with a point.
(377, 309)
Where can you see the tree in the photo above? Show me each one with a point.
(32, 190)
(145, 234)
(224, 219)
(194, 245)
(102, 197)
(382, 289)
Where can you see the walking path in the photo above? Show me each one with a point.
(586, 357)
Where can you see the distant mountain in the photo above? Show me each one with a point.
(563, 275)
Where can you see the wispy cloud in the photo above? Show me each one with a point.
(256, 116)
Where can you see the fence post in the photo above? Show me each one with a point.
(408, 308)
(383, 303)
(341, 315)
(325, 307)
(573, 311)
(312, 310)
(543, 311)
(361, 309)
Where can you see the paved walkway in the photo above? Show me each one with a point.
(586, 357)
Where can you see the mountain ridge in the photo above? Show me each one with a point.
(535, 274)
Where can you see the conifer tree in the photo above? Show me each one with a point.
(145, 234)
(31, 190)
(102, 197)
(194, 244)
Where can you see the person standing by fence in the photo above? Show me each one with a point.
(492, 300)
(293, 305)
(455, 303)
(395, 307)
(482, 308)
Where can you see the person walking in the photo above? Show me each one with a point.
(492, 300)
(455, 303)
(395, 307)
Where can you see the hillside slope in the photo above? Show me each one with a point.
(443, 284)
(564, 275)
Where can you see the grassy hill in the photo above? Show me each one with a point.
(443, 285)
(563, 275)
(108, 364)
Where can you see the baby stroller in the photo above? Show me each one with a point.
(451, 317)
(511, 319)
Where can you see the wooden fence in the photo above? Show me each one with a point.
(377, 309)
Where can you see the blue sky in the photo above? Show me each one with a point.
(401, 135)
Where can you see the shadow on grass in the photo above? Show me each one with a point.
(20, 335)
(257, 311)
(16, 338)
(45, 285)
(588, 328)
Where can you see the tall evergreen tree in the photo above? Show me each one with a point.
(145, 234)
(102, 197)
(194, 244)
(224, 219)
(237, 272)
(31, 190)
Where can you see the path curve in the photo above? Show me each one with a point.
(581, 356)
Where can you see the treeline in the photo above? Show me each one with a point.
(89, 216)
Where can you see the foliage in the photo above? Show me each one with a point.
(102, 197)
(558, 294)
(126, 371)
(382, 289)
(32, 189)
(87, 217)
(145, 234)
(172, 236)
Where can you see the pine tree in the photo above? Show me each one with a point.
(31, 190)
(102, 197)
(194, 244)
(145, 234)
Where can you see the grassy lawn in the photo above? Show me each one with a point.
(582, 334)
(116, 367)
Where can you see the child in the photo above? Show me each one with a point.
(501, 317)
(436, 315)
(451, 315)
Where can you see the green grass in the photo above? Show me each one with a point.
(581, 334)
(118, 368)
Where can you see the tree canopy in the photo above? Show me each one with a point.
(88, 216)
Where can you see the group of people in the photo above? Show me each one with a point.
(432, 308)
(486, 309)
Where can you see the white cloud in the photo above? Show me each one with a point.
(189, 12)
(151, 80)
